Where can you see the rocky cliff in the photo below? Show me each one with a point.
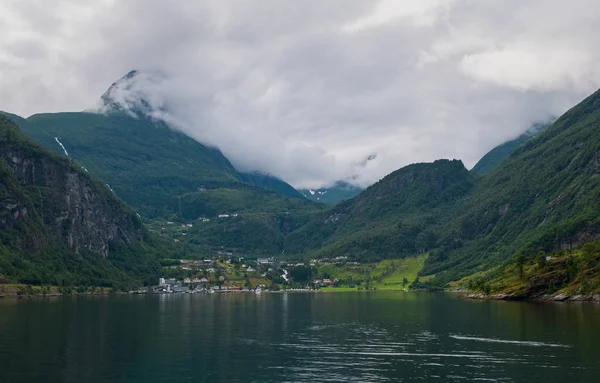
(49, 202)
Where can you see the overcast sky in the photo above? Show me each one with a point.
(313, 91)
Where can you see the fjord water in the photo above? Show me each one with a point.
(297, 337)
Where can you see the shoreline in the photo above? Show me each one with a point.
(545, 298)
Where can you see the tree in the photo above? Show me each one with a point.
(521, 264)
(404, 282)
(301, 274)
(416, 282)
(541, 259)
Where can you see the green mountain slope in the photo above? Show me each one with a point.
(571, 273)
(60, 226)
(266, 181)
(147, 164)
(396, 217)
(164, 174)
(495, 156)
(546, 195)
(335, 194)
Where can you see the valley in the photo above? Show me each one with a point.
(538, 193)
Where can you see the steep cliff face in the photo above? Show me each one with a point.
(47, 202)
(71, 206)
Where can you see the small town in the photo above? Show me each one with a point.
(227, 274)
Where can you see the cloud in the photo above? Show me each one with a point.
(308, 91)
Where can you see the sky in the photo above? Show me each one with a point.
(312, 91)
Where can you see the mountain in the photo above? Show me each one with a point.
(266, 181)
(540, 194)
(167, 176)
(545, 196)
(495, 156)
(60, 226)
(335, 194)
(146, 163)
(396, 217)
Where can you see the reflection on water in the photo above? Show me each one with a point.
(327, 337)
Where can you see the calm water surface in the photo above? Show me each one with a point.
(311, 337)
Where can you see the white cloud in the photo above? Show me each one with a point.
(423, 13)
(532, 68)
(308, 90)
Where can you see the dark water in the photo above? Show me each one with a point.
(320, 337)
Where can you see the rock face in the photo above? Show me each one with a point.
(48, 199)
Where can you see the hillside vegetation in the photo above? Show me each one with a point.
(60, 226)
(495, 156)
(565, 273)
(165, 175)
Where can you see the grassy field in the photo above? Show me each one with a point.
(338, 289)
(389, 274)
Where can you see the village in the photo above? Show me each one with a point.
(225, 273)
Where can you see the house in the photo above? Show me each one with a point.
(180, 289)
(328, 282)
(235, 288)
(250, 269)
(187, 281)
(203, 280)
(210, 270)
(223, 216)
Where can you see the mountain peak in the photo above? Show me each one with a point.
(133, 94)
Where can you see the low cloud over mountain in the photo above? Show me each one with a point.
(308, 90)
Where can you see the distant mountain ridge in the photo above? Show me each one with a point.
(332, 195)
(495, 156)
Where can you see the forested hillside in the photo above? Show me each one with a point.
(495, 156)
(60, 226)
